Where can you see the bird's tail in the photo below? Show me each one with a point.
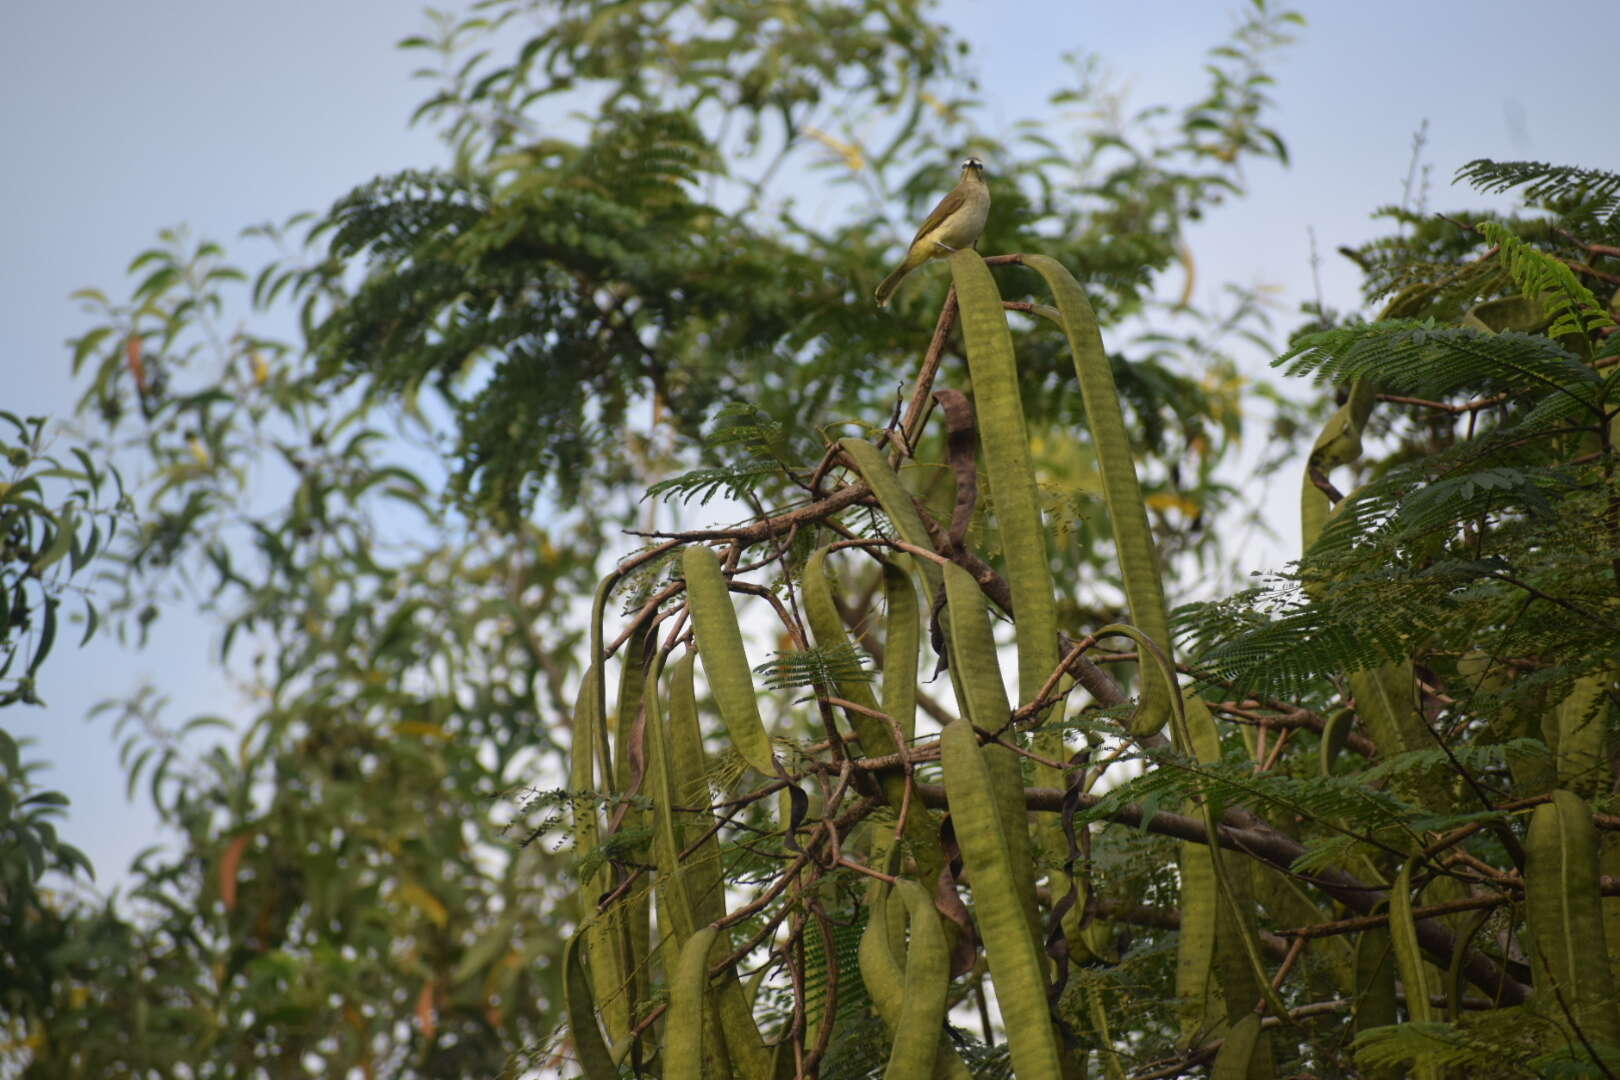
(886, 288)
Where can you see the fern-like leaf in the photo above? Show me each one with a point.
(1429, 360)
(1594, 193)
(821, 668)
(1552, 284)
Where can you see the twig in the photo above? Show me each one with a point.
(1281, 851)
(1441, 406)
(1368, 922)
(916, 416)
(842, 498)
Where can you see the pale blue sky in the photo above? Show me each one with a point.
(118, 119)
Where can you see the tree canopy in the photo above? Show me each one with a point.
(519, 796)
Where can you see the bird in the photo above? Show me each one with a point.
(954, 224)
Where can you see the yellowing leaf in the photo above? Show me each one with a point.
(421, 729)
(1169, 500)
(425, 902)
(424, 1010)
(851, 154)
(228, 865)
(137, 367)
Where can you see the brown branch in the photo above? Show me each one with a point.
(1046, 697)
(1161, 918)
(841, 499)
(1590, 249)
(1280, 851)
(1368, 922)
(1299, 718)
(1583, 268)
(1441, 406)
(916, 412)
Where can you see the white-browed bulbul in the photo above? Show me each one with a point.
(954, 224)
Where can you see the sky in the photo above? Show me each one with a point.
(117, 120)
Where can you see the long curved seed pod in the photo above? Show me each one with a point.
(1217, 930)
(688, 763)
(1375, 979)
(976, 672)
(1563, 906)
(1340, 441)
(1455, 983)
(1335, 732)
(1410, 964)
(1005, 443)
(589, 1047)
(973, 646)
(1242, 969)
(895, 501)
(1011, 474)
(628, 774)
(1583, 764)
(1200, 1005)
(582, 783)
(1237, 1053)
(606, 935)
(683, 1025)
(599, 599)
(877, 738)
(1246, 980)
(880, 971)
(1199, 984)
(676, 909)
(1338, 444)
(902, 647)
(720, 644)
(885, 980)
(701, 872)
(631, 916)
(1113, 1069)
(827, 628)
(1386, 701)
(1133, 537)
(663, 783)
(1384, 696)
(609, 973)
(1374, 1003)
(927, 981)
(1015, 963)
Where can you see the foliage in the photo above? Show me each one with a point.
(58, 515)
(824, 864)
(549, 288)
(47, 536)
(1417, 747)
(1403, 742)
